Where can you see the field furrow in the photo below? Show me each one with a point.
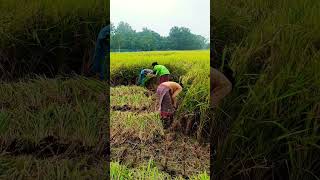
(138, 136)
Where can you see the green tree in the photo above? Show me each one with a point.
(124, 36)
(180, 38)
(148, 40)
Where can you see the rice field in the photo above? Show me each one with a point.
(53, 129)
(190, 68)
(49, 36)
(140, 147)
(268, 128)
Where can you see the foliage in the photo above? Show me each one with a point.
(48, 36)
(124, 38)
(53, 129)
(148, 171)
(272, 115)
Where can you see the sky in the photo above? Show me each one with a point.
(161, 15)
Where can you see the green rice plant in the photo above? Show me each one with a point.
(118, 171)
(142, 125)
(273, 111)
(62, 115)
(28, 167)
(127, 90)
(68, 109)
(148, 171)
(49, 37)
(133, 96)
(201, 176)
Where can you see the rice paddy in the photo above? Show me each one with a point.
(53, 129)
(56, 127)
(140, 147)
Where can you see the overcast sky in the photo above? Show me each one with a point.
(161, 15)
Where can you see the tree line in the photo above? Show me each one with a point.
(124, 38)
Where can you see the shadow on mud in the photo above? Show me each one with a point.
(129, 108)
(51, 146)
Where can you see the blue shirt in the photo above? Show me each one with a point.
(99, 64)
(142, 76)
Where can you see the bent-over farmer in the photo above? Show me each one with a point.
(167, 93)
(220, 86)
(143, 76)
(161, 71)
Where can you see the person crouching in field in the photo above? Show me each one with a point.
(220, 86)
(167, 93)
(161, 71)
(143, 76)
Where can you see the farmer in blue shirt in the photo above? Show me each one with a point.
(99, 64)
(143, 76)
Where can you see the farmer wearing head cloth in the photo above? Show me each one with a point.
(102, 47)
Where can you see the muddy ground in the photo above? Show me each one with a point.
(173, 152)
(51, 146)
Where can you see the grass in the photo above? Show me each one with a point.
(148, 171)
(69, 109)
(53, 129)
(29, 167)
(121, 95)
(47, 36)
(147, 125)
(272, 115)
